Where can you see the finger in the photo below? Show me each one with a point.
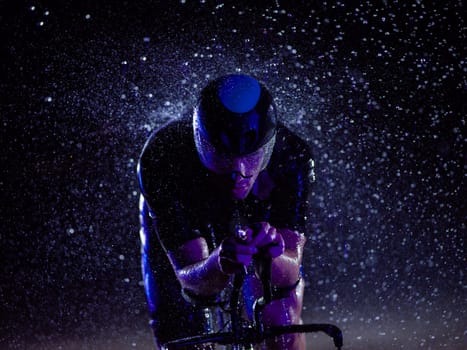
(249, 233)
(275, 250)
(244, 235)
(244, 259)
(272, 234)
(278, 247)
(269, 236)
(239, 249)
(261, 232)
(258, 240)
(246, 249)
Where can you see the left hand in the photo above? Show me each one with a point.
(268, 240)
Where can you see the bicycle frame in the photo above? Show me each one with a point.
(246, 333)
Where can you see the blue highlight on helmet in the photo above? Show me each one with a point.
(239, 93)
(235, 114)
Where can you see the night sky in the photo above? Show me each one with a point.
(377, 89)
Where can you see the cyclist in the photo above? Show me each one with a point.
(220, 191)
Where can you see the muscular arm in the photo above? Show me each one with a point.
(286, 267)
(197, 269)
(287, 310)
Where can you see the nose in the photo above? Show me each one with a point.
(239, 166)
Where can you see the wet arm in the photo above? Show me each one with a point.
(286, 267)
(197, 269)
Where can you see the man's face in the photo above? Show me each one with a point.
(244, 172)
(239, 173)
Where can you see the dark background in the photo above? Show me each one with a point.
(376, 88)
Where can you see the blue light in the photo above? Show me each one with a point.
(239, 93)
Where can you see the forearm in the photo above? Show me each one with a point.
(204, 277)
(286, 267)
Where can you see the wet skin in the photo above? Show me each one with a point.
(244, 174)
(203, 271)
(241, 172)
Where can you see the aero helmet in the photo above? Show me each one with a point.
(235, 116)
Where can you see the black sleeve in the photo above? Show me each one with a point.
(291, 202)
(157, 176)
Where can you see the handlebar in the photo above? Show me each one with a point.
(250, 335)
(254, 333)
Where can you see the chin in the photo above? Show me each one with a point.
(239, 194)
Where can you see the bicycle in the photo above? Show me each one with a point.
(244, 333)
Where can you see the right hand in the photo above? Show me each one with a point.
(235, 254)
(268, 240)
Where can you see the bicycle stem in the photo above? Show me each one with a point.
(235, 305)
(264, 269)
